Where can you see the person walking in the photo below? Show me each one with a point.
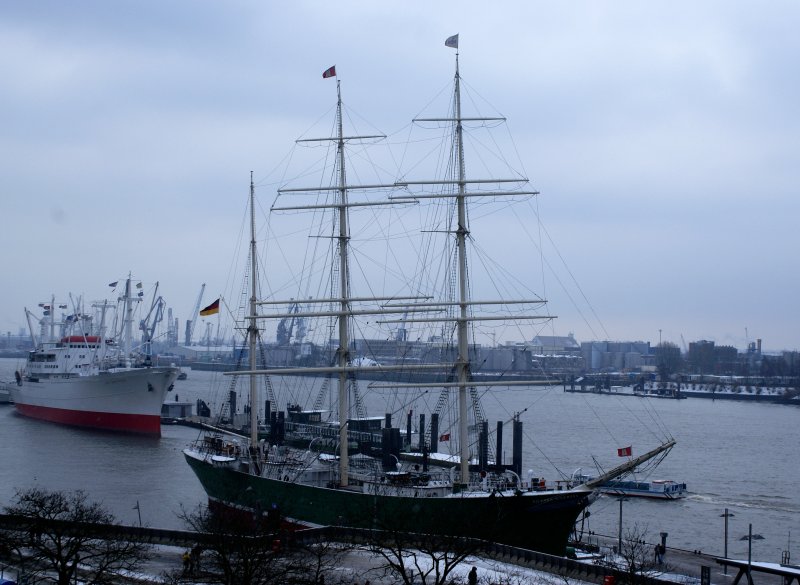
(472, 578)
(194, 562)
(187, 559)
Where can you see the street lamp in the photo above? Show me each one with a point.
(749, 538)
(726, 515)
(139, 510)
(749, 550)
(619, 544)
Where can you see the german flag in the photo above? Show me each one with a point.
(211, 309)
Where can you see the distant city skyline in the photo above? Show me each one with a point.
(23, 333)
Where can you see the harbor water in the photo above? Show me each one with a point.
(732, 455)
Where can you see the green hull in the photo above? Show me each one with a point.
(539, 521)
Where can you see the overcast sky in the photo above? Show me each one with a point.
(663, 137)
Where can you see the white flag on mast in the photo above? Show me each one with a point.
(452, 42)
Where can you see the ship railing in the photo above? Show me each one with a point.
(287, 464)
(330, 431)
(284, 470)
(216, 445)
(507, 481)
(312, 430)
(371, 471)
(498, 482)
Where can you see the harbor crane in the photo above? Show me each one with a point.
(190, 323)
(148, 326)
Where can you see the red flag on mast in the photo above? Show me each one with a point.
(625, 451)
(330, 72)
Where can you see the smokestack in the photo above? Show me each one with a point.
(483, 445)
(434, 433)
(517, 445)
(498, 457)
(758, 345)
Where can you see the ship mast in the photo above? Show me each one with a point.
(128, 325)
(52, 318)
(341, 304)
(461, 192)
(344, 294)
(252, 327)
(344, 311)
(462, 364)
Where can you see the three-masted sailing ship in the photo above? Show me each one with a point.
(467, 495)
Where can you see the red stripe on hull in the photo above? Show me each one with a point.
(131, 423)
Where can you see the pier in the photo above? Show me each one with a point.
(787, 573)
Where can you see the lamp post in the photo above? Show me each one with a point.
(139, 511)
(619, 544)
(726, 515)
(750, 536)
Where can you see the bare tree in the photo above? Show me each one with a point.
(637, 558)
(522, 578)
(422, 558)
(321, 558)
(63, 533)
(238, 548)
(251, 549)
(668, 360)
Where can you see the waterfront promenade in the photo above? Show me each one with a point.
(685, 563)
(680, 566)
(496, 564)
